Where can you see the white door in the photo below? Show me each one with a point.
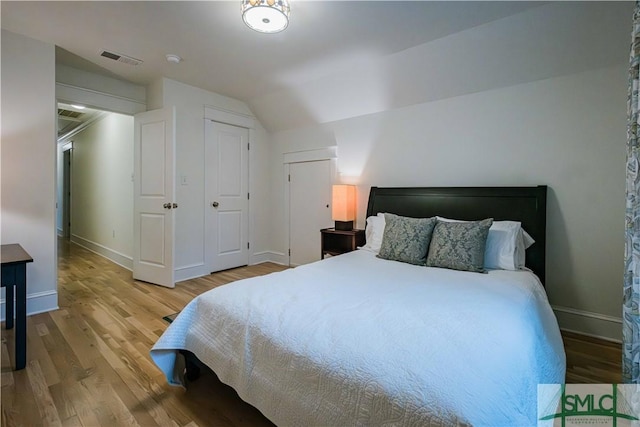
(154, 192)
(309, 208)
(227, 176)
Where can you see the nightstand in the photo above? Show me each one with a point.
(336, 242)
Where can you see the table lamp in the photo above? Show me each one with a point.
(343, 210)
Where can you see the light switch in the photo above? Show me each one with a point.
(183, 180)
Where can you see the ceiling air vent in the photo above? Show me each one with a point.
(68, 114)
(120, 58)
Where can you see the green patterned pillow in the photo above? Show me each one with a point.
(459, 245)
(406, 239)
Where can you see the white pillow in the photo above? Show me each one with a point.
(522, 244)
(502, 245)
(506, 245)
(373, 233)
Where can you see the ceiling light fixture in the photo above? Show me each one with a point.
(174, 59)
(266, 16)
(78, 107)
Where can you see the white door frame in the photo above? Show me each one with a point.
(104, 101)
(328, 153)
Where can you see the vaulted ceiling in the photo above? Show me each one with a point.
(285, 77)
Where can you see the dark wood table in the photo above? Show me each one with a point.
(14, 261)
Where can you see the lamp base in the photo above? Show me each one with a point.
(344, 225)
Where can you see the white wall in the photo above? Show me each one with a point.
(190, 105)
(260, 219)
(28, 162)
(102, 188)
(567, 132)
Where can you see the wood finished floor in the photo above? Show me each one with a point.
(88, 363)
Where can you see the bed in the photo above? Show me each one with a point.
(359, 340)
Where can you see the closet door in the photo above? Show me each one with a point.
(309, 208)
(227, 176)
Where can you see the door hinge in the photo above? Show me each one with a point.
(289, 178)
(247, 196)
(289, 252)
(248, 146)
(247, 245)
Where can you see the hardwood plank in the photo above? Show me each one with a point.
(592, 360)
(82, 404)
(6, 378)
(42, 329)
(8, 393)
(23, 410)
(62, 403)
(61, 353)
(89, 362)
(124, 404)
(38, 351)
(73, 421)
(68, 326)
(44, 402)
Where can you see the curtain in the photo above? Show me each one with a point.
(631, 296)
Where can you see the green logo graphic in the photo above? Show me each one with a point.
(589, 404)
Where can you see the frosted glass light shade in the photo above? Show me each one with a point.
(266, 16)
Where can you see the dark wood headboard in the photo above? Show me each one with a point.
(525, 204)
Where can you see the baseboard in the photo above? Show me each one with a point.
(39, 302)
(198, 270)
(121, 259)
(592, 336)
(181, 273)
(588, 323)
(269, 256)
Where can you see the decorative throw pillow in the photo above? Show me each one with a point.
(406, 239)
(459, 245)
(507, 242)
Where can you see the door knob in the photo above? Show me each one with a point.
(167, 206)
(174, 205)
(215, 204)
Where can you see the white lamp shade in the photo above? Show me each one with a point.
(266, 16)
(343, 206)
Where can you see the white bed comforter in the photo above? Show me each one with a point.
(357, 340)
